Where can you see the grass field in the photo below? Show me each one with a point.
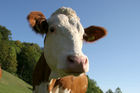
(12, 84)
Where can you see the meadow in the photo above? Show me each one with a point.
(12, 84)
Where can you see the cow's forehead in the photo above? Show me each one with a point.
(65, 23)
(66, 17)
(66, 11)
(62, 19)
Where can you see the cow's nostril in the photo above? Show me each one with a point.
(77, 60)
(70, 59)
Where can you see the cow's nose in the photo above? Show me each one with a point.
(77, 63)
(77, 60)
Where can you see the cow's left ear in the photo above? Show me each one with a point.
(94, 33)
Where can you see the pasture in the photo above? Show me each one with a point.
(12, 84)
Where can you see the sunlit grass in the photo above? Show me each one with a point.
(12, 84)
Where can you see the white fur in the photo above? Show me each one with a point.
(42, 88)
(66, 40)
(58, 89)
(66, 11)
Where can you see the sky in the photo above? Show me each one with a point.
(115, 59)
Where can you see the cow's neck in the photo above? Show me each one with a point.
(69, 84)
(54, 75)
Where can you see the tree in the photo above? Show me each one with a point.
(0, 37)
(17, 45)
(109, 91)
(7, 52)
(4, 48)
(17, 56)
(5, 34)
(118, 90)
(10, 63)
(4, 43)
(8, 57)
(92, 87)
(27, 59)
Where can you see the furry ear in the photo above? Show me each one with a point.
(94, 33)
(38, 22)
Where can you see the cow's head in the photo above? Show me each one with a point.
(64, 40)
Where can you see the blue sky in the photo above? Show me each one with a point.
(115, 59)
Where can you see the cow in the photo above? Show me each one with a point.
(62, 65)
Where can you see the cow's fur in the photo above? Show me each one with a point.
(68, 84)
(62, 66)
(64, 41)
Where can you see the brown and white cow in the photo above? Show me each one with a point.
(62, 66)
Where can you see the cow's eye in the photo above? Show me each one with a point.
(52, 29)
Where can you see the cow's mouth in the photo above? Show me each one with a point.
(72, 73)
(75, 74)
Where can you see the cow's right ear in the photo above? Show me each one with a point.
(38, 22)
(94, 33)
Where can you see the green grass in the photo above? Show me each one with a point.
(12, 84)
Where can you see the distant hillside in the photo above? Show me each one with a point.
(12, 84)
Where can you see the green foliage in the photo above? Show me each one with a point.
(10, 63)
(118, 90)
(5, 34)
(92, 87)
(0, 37)
(27, 59)
(17, 57)
(8, 57)
(109, 91)
(7, 52)
(17, 45)
(4, 48)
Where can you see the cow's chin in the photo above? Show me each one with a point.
(75, 73)
(72, 73)
(67, 72)
(59, 73)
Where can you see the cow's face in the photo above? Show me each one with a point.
(63, 44)
(64, 39)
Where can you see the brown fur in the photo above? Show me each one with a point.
(77, 84)
(51, 85)
(94, 33)
(38, 22)
(41, 72)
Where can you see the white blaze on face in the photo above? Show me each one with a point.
(66, 38)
